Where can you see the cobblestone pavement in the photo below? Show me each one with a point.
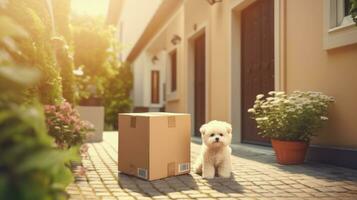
(255, 176)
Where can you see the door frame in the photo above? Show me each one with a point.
(235, 101)
(190, 69)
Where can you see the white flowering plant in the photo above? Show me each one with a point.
(294, 117)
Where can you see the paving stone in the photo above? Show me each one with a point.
(254, 176)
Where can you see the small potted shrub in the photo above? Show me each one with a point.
(290, 121)
(65, 125)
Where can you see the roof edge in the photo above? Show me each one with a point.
(161, 16)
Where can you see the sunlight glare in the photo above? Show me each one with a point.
(90, 7)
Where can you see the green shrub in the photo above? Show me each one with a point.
(61, 12)
(65, 63)
(117, 95)
(30, 167)
(96, 55)
(294, 117)
(37, 50)
(104, 77)
(64, 48)
(91, 52)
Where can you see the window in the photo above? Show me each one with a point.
(340, 13)
(173, 64)
(339, 28)
(155, 86)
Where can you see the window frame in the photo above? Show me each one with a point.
(335, 34)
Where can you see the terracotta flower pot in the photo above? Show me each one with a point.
(289, 152)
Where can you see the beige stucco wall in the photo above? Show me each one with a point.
(214, 19)
(305, 64)
(310, 67)
(162, 42)
(131, 24)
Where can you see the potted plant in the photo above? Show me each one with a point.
(290, 121)
(65, 125)
(92, 51)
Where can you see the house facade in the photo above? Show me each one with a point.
(211, 58)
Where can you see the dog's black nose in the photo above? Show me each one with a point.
(217, 139)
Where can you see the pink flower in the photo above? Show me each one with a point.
(81, 171)
(84, 149)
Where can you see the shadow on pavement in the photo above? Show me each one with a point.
(310, 169)
(186, 184)
(157, 187)
(225, 185)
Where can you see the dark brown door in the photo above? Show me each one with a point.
(173, 71)
(155, 86)
(199, 83)
(257, 72)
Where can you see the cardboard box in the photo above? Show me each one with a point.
(154, 145)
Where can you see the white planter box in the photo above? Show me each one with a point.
(95, 115)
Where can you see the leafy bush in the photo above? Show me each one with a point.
(294, 117)
(37, 50)
(64, 47)
(65, 62)
(30, 167)
(104, 77)
(61, 12)
(91, 56)
(117, 95)
(65, 125)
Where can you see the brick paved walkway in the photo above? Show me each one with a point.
(255, 176)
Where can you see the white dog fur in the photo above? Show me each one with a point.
(215, 150)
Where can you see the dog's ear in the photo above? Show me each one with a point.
(203, 129)
(228, 127)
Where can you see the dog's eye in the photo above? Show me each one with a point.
(221, 134)
(212, 134)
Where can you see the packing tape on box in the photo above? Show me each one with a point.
(171, 121)
(132, 122)
(171, 169)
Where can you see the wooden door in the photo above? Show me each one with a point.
(155, 86)
(173, 57)
(257, 72)
(199, 83)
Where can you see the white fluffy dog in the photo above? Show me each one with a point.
(215, 151)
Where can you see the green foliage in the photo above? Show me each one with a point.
(353, 10)
(30, 167)
(37, 50)
(65, 62)
(104, 77)
(117, 95)
(294, 117)
(63, 48)
(92, 45)
(61, 11)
